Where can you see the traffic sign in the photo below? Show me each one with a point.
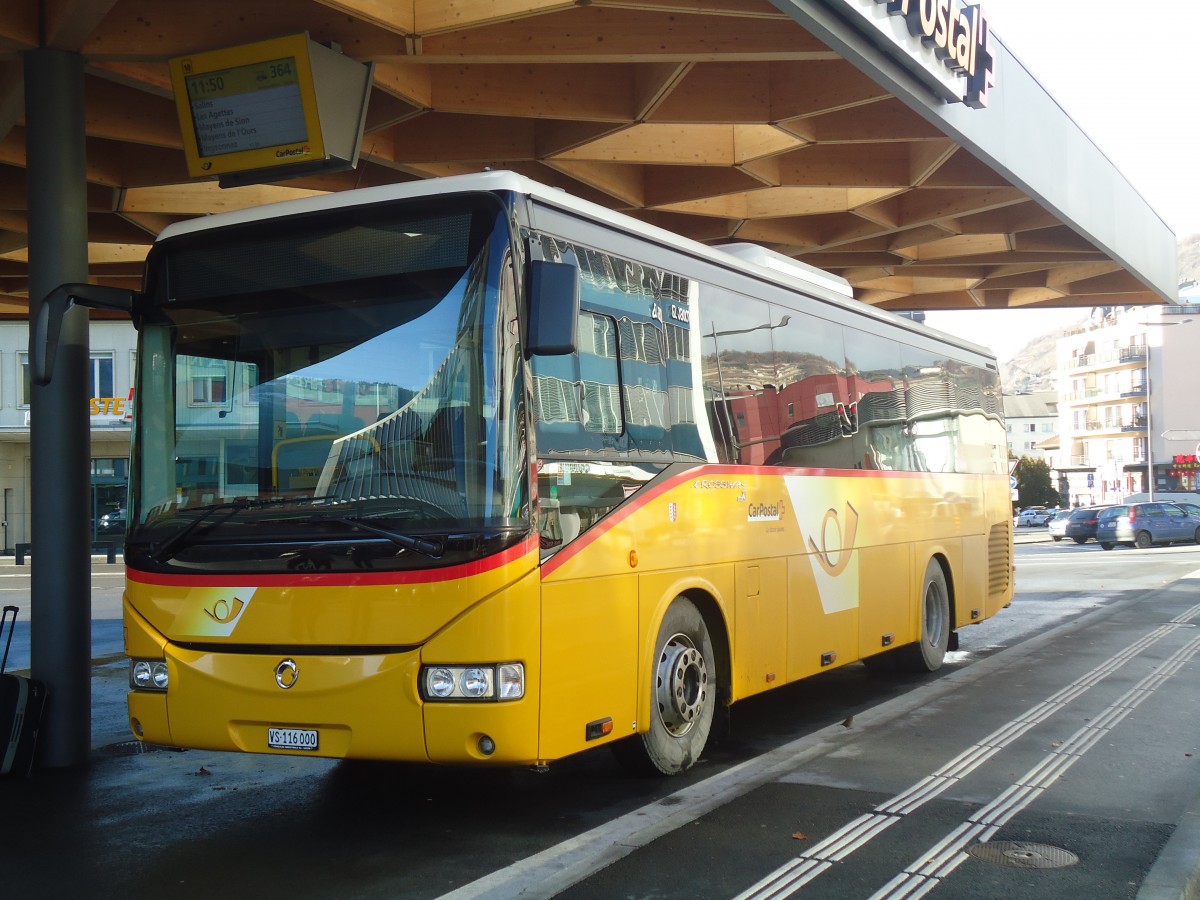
(1012, 482)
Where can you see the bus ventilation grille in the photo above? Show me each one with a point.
(999, 560)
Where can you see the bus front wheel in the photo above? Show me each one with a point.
(683, 696)
(928, 653)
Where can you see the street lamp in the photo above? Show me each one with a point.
(1149, 408)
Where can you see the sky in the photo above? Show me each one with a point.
(1127, 73)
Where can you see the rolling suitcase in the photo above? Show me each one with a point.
(21, 703)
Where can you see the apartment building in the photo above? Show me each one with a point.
(1129, 412)
(1030, 419)
(112, 351)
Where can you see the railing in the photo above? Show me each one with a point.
(1123, 355)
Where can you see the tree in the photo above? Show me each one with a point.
(1034, 487)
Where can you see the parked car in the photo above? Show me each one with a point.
(1146, 524)
(1034, 515)
(111, 523)
(1058, 525)
(1082, 523)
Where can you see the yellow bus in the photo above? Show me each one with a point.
(471, 471)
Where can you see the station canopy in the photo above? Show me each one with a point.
(783, 123)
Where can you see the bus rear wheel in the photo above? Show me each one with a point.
(929, 652)
(683, 696)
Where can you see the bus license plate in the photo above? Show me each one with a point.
(292, 738)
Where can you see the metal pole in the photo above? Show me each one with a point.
(1149, 428)
(60, 600)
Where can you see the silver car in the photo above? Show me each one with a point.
(1058, 525)
(1034, 516)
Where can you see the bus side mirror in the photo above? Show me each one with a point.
(553, 308)
(47, 326)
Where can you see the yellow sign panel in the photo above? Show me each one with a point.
(248, 107)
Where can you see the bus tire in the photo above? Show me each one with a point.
(929, 652)
(683, 696)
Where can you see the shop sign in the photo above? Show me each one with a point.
(948, 44)
(1184, 464)
(107, 410)
(107, 406)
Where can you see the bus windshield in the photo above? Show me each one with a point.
(330, 393)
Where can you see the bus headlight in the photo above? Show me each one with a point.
(475, 683)
(505, 681)
(148, 674)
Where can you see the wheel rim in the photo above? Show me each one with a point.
(935, 616)
(682, 684)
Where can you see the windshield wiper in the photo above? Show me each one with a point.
(425, 546)
(165, 548)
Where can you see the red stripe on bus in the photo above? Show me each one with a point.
(338, 579)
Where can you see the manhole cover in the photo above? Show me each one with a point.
(1021, 855)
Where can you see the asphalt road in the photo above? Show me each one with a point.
(1072, 720)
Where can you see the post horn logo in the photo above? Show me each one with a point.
(223, 611)
(835, 559)
(287, 673)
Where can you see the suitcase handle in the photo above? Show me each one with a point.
(11, 629)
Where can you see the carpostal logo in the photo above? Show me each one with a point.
(287, 152)
(959, 39)
(765, 512)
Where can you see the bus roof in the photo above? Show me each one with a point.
(750, 259)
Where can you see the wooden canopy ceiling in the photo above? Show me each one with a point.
(722, 120)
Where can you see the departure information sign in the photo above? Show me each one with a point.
(247, 107)
(252, 107)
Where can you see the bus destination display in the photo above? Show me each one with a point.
(247, 107)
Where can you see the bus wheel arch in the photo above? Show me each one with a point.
(687, 683)
(936, 617)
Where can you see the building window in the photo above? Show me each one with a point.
(26, 388)
(207, 378)
(101, 375)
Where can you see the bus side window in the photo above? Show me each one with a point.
(574, 496)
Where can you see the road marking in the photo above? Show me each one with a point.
(929, 869)
(94, 575)
(559, 867)
(795, 874)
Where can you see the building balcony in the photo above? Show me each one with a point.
(1135, 390)
(1096, 426)
(1111, 359)
(1137, 423)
